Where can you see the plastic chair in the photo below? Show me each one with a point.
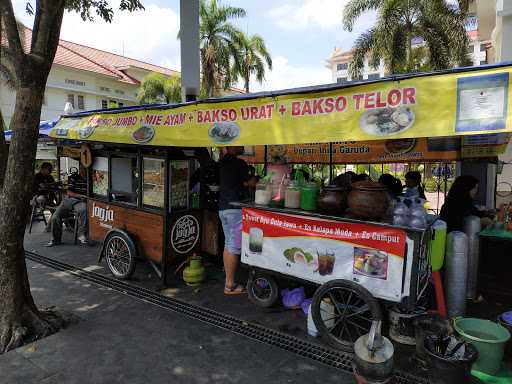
(37, 214)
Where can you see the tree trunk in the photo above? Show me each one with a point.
(246, 80)
(19, 317)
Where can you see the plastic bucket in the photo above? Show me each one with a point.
(488, 337)
(451, 371)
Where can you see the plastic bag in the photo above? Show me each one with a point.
(293, 298)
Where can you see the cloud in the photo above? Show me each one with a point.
(148, 35)
(325, 14)
(285, 75)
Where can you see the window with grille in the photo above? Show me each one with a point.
(342, 66)
(104, 104)
(71, 99)
(80, 103)
(373, 76)
(341, 79)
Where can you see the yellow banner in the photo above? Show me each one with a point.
(464, 103)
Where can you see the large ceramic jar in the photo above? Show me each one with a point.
(368, 200)
(332, 200)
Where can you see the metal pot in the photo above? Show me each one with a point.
(368, 200)
(373, 361)
(332, 200)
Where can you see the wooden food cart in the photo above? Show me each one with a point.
(139, 203)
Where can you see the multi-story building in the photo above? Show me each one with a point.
(338, 64)
(340, 60)
(495, 26)
(88, 78)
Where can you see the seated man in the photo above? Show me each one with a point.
(72, 204)
(43, 181)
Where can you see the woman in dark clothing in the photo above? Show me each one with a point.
(393, 184)
(459, 203)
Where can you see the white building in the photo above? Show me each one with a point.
(88, 78)
(340, 60)
(495, 25)
(338, 64)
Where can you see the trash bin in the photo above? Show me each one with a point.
(446, 369)
(429, 325)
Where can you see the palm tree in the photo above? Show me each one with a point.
(158, 88)
(219, 44)
(438, 23)
(253, 56)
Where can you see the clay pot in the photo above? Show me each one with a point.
(332, 200)
(368, 200)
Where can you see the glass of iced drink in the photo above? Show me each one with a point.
(326, 261)
(255, 240)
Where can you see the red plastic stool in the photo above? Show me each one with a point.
(439, 290)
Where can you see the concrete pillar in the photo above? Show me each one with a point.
(506, 44)
(190, 67)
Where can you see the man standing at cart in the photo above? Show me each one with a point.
(234, 176)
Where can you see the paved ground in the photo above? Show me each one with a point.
(118, 339)
(122, 338)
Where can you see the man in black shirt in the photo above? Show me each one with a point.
(42, 183)
(234, 175)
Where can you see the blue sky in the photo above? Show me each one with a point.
(300, 35)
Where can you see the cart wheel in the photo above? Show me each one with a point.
(343, 311)
(121, 255)
(262, 289)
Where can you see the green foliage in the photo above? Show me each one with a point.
(439, 23)
(219, 45)
(100, 7)
(253, 57)
(158, 88)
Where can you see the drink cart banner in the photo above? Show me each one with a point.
(355, 152)
(320, 250)
(446, 104)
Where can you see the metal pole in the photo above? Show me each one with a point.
(189, 40)
(265, 160)
(330, 164)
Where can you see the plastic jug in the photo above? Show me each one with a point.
(308, 197)
(438, 245)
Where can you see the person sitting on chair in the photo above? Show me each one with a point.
(71, 205)
(43, 180)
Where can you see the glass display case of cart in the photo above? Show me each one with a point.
(180, 172)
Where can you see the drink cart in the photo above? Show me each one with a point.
(353, 262)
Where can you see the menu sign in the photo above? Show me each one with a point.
(320, 250)
(362, 152)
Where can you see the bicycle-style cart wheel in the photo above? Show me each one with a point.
(262, 289)
(121, 255)
(343, 311)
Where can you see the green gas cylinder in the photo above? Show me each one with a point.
(194, 274)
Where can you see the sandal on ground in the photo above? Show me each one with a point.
(236, 289)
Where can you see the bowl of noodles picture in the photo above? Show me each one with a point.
(224, 132)
(387, 121)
